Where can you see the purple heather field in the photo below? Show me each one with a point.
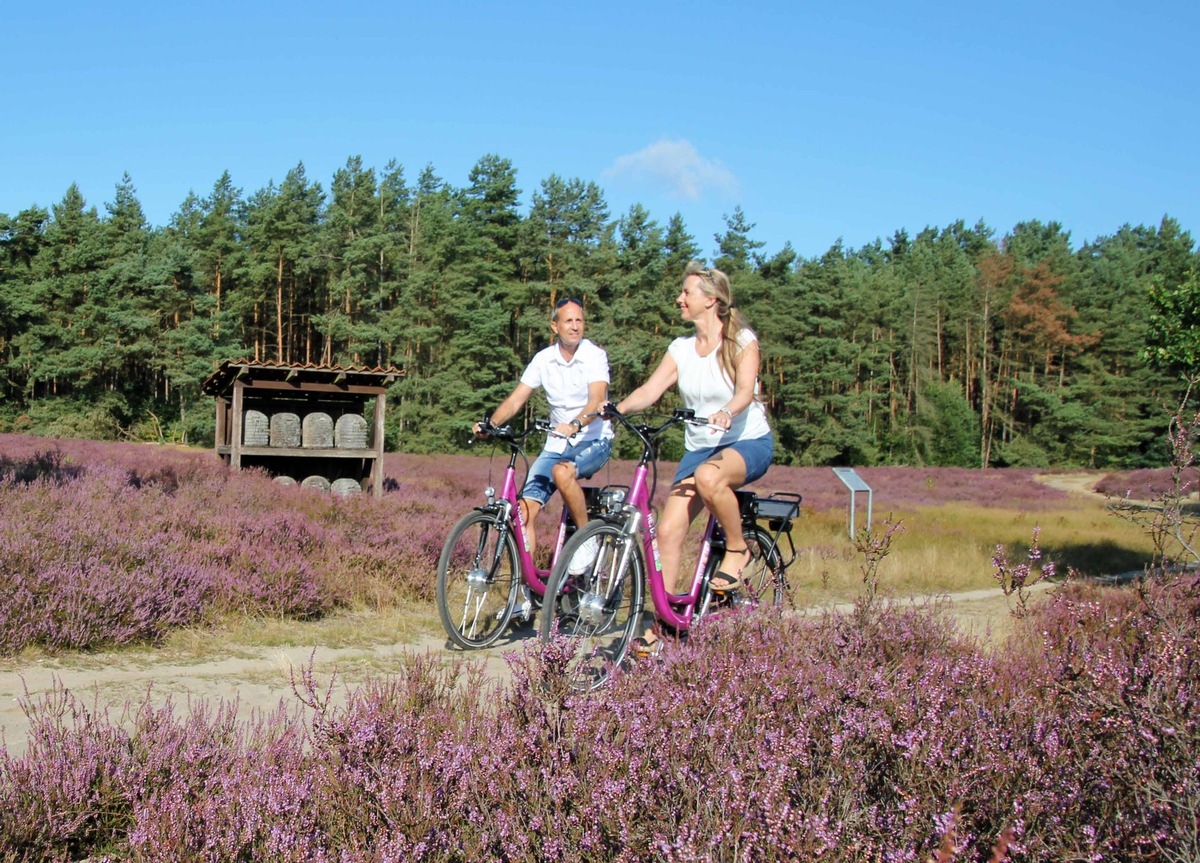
(883, 734)
(880, 735)
(113, 543)
(119, 542)
(896, 486)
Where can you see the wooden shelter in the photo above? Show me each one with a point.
(318, 425)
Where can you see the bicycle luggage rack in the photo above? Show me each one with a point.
(777, 509)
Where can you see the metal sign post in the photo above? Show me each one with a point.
(854, 482)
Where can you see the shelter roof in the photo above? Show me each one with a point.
(221, 381)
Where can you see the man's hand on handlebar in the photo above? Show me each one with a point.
(483, 429)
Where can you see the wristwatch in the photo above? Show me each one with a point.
(578, 425)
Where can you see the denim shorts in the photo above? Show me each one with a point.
(588, 456)
(756, 453)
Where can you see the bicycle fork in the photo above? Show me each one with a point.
(479, 577)
(608, 573)
(482, 575)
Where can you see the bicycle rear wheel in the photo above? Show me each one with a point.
(600, 609)
(477, 580)
(763, 581)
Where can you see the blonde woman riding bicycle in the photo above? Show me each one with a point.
(716, 371)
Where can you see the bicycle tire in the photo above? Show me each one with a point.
(600, 607)
(763, 580)
(477, 580)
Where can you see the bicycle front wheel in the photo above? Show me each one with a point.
(598, 607)
(477, 580)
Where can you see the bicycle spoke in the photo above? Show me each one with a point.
(477, 581)
(763, 578)
(600, 608)
(469, 619)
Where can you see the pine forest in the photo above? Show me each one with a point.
(949, 346)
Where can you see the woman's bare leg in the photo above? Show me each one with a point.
(716, 481)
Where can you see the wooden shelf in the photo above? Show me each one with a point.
(301, 452)
(240, 386)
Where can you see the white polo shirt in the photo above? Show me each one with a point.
(566, 384)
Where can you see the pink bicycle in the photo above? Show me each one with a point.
(486, 560)
(602, 607)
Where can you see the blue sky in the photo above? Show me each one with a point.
(821, 123)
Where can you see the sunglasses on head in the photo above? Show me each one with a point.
(566, 300)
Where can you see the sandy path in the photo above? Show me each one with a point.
(1080, 483)
(260, 678)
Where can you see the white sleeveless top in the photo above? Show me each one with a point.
(705, 389)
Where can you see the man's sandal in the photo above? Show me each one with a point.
(724, 581)
(644, 648)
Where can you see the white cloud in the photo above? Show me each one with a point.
(677, 167)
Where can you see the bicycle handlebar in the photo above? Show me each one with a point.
(506, 434)
(686, 416)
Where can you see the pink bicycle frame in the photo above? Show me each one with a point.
(533, 577)
(666, 604)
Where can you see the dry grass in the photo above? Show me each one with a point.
(355, 628)
(948, 549)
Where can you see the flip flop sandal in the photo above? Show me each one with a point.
(729, 580)
(729, 583)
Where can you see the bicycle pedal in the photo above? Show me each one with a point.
(726, 599)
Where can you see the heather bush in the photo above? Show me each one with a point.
(882, 735)
(108, 544)
(1015, 580)
(49, 465)
(1146, 483)
(113, 551)
(79, 567)
(1112, 692)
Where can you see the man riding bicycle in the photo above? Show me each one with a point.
(573, 371)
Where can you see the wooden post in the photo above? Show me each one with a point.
(235, 444)
(377, 441)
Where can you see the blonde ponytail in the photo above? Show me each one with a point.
(714, 283)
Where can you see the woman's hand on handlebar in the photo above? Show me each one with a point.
(721, 420)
